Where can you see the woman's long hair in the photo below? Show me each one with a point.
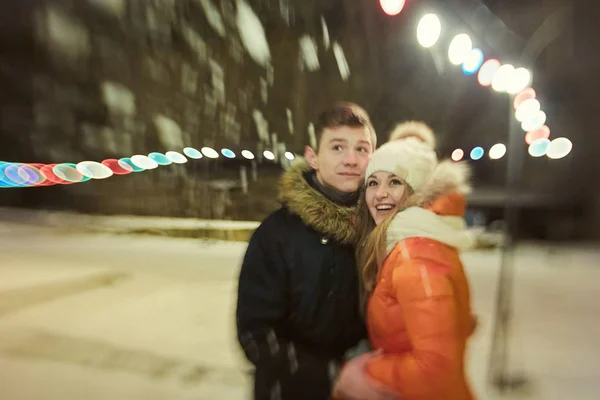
(371, 244)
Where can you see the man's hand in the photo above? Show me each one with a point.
(354, 384)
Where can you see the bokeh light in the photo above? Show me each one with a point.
(289, 155)
(118, 167)
(192, 153)
(228, 153)
(502, 78)
(429, 30)
(536, 122)
(176, 157)
(459, 49)
(247, 154)
(269, 155)
(11, 173)
(144, 162)
(526, 94)
(487, 72)
(48, 171)
(541, 133)
(528, 109)
(160, 158)
(94, 170)
(209, 152)
(457, 155)
(392, 7)
(4, 180)
(559, 148)
(123, 162)
(521, 77)
(497, 151)
(477, 153)
(539, 147)
(68, 172)
(473, 62)
(33, 175)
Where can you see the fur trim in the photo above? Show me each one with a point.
(313, 208)
(416, 129)
(447, 177)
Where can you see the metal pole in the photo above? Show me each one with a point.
(499, 375)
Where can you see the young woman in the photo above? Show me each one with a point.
(416, 292)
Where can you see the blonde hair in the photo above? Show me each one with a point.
(371, 245)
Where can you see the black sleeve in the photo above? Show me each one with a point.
(262, 309)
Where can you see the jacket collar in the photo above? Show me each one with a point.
(313, 208)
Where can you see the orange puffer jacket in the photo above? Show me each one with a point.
(419, 313)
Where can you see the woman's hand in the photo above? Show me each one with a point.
(353, 383)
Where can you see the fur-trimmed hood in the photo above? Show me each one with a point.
(315, 210)
(436, 210)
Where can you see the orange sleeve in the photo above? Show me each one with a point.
(429, 309)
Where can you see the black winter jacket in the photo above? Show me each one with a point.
(298, 295)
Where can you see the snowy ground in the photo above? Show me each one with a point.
(125, 318)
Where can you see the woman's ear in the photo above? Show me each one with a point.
(311, 157)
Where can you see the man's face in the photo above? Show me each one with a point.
(343, 157)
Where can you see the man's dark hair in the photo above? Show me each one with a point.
(344, 114)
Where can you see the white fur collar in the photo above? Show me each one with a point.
(419, 222)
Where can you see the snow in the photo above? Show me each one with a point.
(326, 42)
(290, 120)
(262, 126)
(264, 90)
(218, 81)
(284, 7)
(213, 16)
(172, 311)
(115, 7)
(64, 34)
(118, 98)
(252, 34)
(308, 52)
(312, 137)
(195, 41)
(341, 61)
(169, 132)
(66, 219)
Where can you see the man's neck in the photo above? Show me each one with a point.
(346, 199)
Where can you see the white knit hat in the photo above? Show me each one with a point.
(409, 159)
(417, 129)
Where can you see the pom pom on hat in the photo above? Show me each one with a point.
(409, 159)
(416, 129)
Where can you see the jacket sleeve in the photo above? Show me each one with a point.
(262, 309)
(429, 308)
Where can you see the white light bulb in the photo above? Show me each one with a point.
(209, 152)
(459, 49)
(536, 122)
(502, 78)
(497, 151)
(429, 30)
(520, 79)
(527, 110)
(559, 148)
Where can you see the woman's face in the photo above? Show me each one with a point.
(383, 194)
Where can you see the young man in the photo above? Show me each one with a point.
(298, 296)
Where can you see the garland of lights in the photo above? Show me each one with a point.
(502, 78)
(490, 73)
(18, 175)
